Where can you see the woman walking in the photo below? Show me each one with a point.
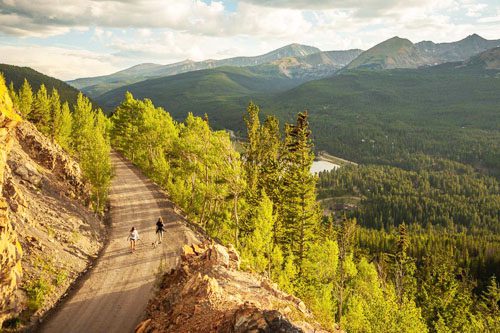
(160, 228)
(133, 237)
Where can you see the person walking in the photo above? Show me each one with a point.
(133, 237)
(160, 228)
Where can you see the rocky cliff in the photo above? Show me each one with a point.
(43, 214)
(208, 293)
(10, 249)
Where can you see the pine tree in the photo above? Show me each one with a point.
(489, 306)
(40, 115)
(25, 99)
(270, 145)
(300, 211)
(63, 126)
(13, 95)
(446, 302)
(404, 268)
(55, 113)
(345, 240)
(252, 148)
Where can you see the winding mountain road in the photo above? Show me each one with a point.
(115, 294)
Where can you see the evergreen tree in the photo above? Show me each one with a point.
(270, 170)
(489, 307)
(404, 268)
(13, 95)
(55, 114)
(252, 148)
(40, 115)
(345, 240)
(25, 99)
(445, 301)
(63, 126)
(300, 211)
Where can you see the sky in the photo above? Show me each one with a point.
(69, 39)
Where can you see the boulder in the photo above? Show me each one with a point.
(220, 255)
(28, 173)
(234, 257)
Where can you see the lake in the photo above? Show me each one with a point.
(319, 166)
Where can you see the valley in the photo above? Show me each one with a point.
(303, 191)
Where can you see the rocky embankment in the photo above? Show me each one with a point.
(208, 293)
(10, 248)
(47, 232)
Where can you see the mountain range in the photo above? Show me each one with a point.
(377, 106)
(296, 53)
(301, 63)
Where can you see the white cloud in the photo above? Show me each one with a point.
(127, 32)
(61, 63)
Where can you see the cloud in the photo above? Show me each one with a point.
(122, 33)
(35, 17)
(362, 8)
(60, 62)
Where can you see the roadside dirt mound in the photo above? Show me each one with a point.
(59, 235)
(208, 293)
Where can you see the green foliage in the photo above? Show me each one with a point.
(299, 210)
(90, 141)
(37, 291)
(55, 114)
(490, 306)
(373, 307)
(18, 75)
(446, 301)
(85, 133)
(448, 207)
(41, 111)
(62, 124)
(257, 253)
(266, 204)
(198, 166)
(25, 96)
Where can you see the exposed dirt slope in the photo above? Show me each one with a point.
(208, 293)
(10, 250)
(46, 200)
(114, 296)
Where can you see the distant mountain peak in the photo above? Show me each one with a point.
(394, 52)
(474, 36)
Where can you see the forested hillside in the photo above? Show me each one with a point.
(81, 130)
(225, 86)
(380, 117)
(449, 208)
(265, 204)
(375, 117)
(17, 75)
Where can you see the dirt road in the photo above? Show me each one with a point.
(116, 292)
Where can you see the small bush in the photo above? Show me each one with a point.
(37, 292)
